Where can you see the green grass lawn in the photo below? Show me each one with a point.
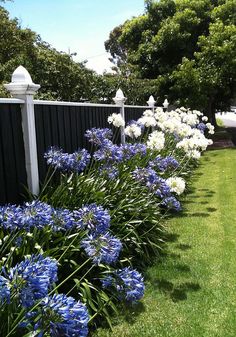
(191, 292)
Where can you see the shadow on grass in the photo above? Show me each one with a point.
(131, 312)
(183, 246)
(177, 292)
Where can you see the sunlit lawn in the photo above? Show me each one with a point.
(191, 292)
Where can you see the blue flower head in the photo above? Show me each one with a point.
(131, 150)
(33, 278)
(94, 218)
(97, 136)
(109, 171)
(171, 203)
(5, 291)
(164, 164)
(63, 316)
(102, 249)
(68, 162)
(109, 152)
(127, 282)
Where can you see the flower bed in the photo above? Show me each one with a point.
(71, 257)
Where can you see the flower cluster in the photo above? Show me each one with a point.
(68, 162)
(29, 280)
(63, 316)
(127, 282)
(94, 218)
(37, 214)
(133, 130)
(131, 150)
(109, 171)
(171, 203)
(164, 164)
(156, 140)
(176, 184)
(116, 119)
(103, 248)
(108, 152)
(149, 178)
(97, 136)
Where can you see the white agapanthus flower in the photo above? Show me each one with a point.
(198, 113)
(147, 121)
(176, 184)
(191, 119)
(148, 113)
(211, 128)
(204, 118)
(133, 131)
(116, 119)
(156, 140)
(195, 154)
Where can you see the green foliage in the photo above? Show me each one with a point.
(189, 46)
(196, 280)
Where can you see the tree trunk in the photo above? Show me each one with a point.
(210, 111)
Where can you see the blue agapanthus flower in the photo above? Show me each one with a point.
(68, 162)
(131, 150)
(63, 316)
(32, 278)
(164, 164)
(149, 178)
(35, 214)
(108, 152)
(9, 217)
(202, 127)
(94, 218)
(109, 171)
(5, 291)
(127, 282)
(64, 219)
(172, 203)
(97, 136)
(102, 249)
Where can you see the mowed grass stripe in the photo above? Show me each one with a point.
(191, 292)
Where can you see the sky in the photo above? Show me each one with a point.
(80, 26)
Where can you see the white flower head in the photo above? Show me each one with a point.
(116, 119)
(147, 121)
(194, 154)
(211, 128)
(156, 140)
(176, 184)
(148, 113)
(133, 131)
(204, 118)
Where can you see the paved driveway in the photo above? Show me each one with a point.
(228, 118)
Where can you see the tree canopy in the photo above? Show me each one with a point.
(189, 46)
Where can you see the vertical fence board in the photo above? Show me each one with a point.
(13, 177)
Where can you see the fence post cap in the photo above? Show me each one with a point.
(166, 103)
(151, 101)
(21, 83)
(21, 75)
(119, 98)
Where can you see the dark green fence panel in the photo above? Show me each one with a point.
(133, 113)
(13, 179)
(64, 126)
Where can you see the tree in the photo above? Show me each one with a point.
(59, 75)
(188, 45)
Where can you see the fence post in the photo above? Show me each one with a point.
(166, 104)
(22, 87)
(151, 103)
(119, 100)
